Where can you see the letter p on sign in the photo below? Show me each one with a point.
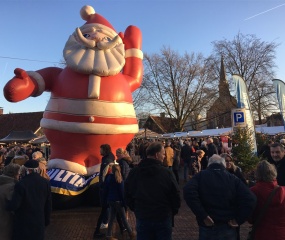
(239, 117)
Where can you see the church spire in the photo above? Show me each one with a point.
(223, 84)
(222, 70)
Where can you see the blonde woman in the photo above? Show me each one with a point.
(114, 194)
(232, 168)
(38, 156)
(125, 162)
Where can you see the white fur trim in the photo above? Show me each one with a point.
(73, 167)
(91, 107)
(94, 86)
(88, 128)
(134, 52)
(40, 82)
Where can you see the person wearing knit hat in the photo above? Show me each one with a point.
(31, 204)
(91, 98)
(31, 164)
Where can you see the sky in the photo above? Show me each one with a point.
(34, 32)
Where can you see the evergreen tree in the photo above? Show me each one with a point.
(242, 150)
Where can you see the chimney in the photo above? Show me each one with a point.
(1, 111)
(162, 115)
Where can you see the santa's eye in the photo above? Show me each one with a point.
(86, 35)
(107, 39)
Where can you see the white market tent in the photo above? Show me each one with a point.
(223, 132)
(270, 130)
(175, 134)
(211, 132)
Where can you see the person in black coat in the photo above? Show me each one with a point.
(31, 203)
(151, 191)
(219, 200)
(107, 158)
(264, 152)
(212, 148)
(186, 156)
(204, 161)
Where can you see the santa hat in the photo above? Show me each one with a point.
(97, 21)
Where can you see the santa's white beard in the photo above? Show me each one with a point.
(93, 60)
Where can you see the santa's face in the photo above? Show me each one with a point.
(92, 51)
(97, 36)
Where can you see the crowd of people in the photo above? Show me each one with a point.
(214, 187)
(25, 193)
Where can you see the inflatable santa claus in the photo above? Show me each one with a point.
(91, 99)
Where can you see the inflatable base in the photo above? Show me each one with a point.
(70, 190)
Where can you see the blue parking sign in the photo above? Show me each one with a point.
(239, 117)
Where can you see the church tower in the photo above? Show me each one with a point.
(224, 89)
(219, 114)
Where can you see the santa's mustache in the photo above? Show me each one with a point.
(89, 43)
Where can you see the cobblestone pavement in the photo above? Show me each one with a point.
(79, 224)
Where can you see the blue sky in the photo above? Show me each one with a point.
(37, 30)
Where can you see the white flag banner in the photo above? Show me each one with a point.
(280, 91)
(243, 102)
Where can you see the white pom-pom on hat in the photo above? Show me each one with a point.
(86, 12)
(97, 21)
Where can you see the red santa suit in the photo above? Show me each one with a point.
(87, 107)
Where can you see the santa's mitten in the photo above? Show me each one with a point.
(20, 87)
(132, 38)
(133, 67)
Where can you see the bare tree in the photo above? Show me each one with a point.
(253, 59)
(177, 85)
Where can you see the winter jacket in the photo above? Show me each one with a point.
(238, 173)
(204, 161)
(212, 149)
(31, 202)
(216, 193)
(186, 153)
(125, 166)
(106, 160)
(169, 154)
(272, 224)
(6, 223)
(280, 166)
(113, 191)
(151, 191)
